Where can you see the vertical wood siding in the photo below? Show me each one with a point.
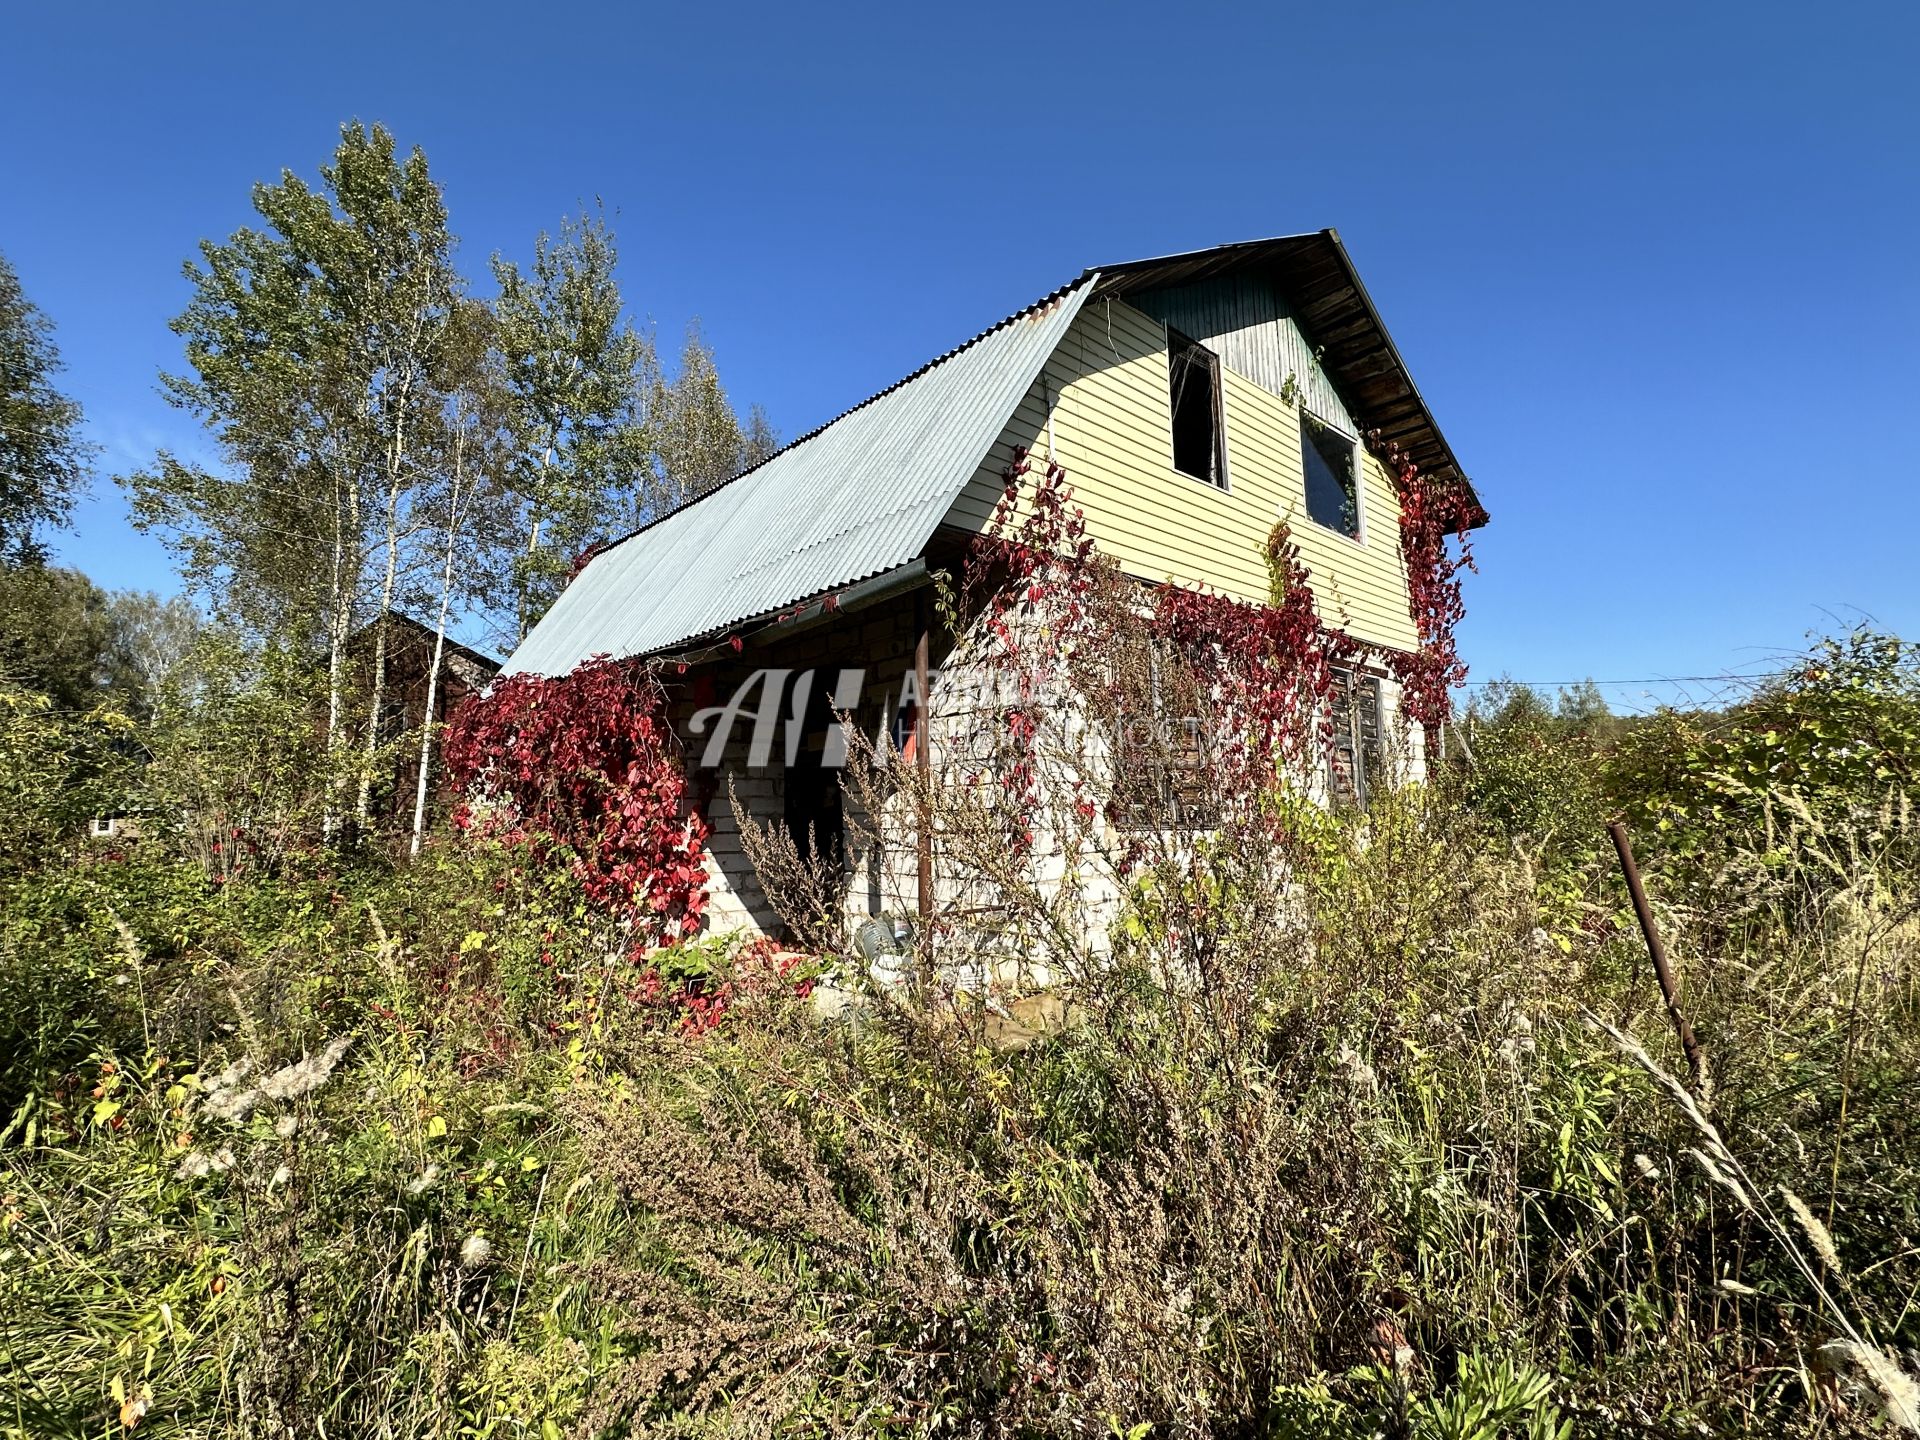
(1243, 320)
(1105, 390)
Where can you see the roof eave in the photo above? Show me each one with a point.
(1274, 253)
(1480, 516)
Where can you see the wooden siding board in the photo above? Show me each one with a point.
(1107, 382)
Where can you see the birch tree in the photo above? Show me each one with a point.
(394, 253)
(572, 366)
(311, 344)
(698, 440)
(476, 507)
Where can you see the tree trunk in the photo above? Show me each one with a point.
(363, 800)
(422, 781)
(396, 461)
(345, 584)
(533, 541)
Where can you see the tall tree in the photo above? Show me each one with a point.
(60, 637)
(761, 439)
(571, 364)
(156, 634)
(312, 346)
(477, 507)
(698, 439)
(43, 460)
(399, 256)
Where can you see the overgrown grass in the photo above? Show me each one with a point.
(1397, 1151)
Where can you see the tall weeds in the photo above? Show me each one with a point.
(1331, 1124)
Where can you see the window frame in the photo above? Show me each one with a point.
(1355, 462)
(1153, 798)
(1368, 752)
(1179, 341)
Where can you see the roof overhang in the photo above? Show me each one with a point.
(1316, 278)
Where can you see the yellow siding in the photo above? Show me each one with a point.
(1112, 431)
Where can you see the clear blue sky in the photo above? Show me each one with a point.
(1654, 267)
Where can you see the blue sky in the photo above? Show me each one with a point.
(1654, 267)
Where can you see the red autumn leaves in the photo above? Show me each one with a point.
(586, 765)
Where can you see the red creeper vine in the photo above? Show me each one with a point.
(1430, 514)
(586, 767)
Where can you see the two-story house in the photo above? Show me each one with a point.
(1193, 400)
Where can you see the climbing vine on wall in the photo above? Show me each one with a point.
(1271, 666)
(1436, 521)
(1032, 576)
(1269, 669)
(585, 768)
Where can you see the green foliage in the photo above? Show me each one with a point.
(43, 460)
(1327, 1143)
(1832, 749)
(65, 637)
(601, 438)
(58, 769)
(698, 439)
(1532, 772)
(297, 1248)
(571, 368)
(1492, 1399)
(239, 772)
(57, 637)
(311, 346)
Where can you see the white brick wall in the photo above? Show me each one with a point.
(883, 878)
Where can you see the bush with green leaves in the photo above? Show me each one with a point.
(1827, 757)
(1530, 768)
(1330, 1136)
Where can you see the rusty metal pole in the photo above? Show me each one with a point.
(923, 764)
(1657, 951)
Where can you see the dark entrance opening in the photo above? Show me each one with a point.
(813, 798)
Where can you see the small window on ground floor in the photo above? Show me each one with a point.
(1193, 385)
(1163, 770)
(811, 797)
(1333, 494)
(1356, 763)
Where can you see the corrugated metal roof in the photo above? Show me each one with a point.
(864, 493)
(860, 495)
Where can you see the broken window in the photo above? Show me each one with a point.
(1333, 497)
(1356, 762)
(1193, 384)
(1162, 761)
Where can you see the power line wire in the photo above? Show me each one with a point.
(1648, 680)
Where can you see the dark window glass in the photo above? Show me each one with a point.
(1327, 457)
(811, 785)
(1193, 385)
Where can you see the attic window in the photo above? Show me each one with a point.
(1193, 385)
(1333, 499)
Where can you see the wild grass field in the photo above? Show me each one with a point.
(1373, 1123)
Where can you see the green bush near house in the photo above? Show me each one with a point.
(302, 1142)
